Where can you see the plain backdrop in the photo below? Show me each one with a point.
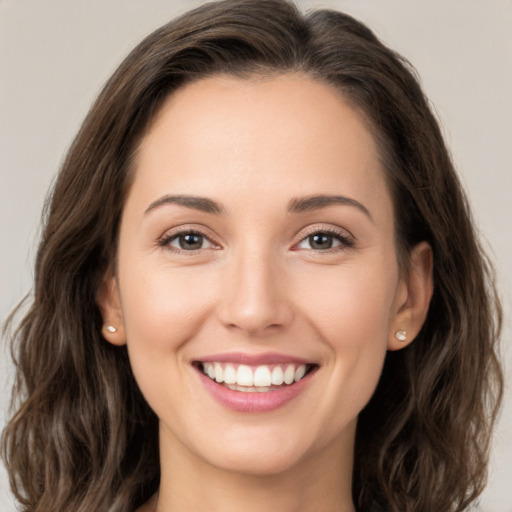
(56, 54)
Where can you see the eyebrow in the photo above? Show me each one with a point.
(202, 204)
(305, 204)
(296, 205)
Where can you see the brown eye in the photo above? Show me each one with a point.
(189, 241)
(326, 240)
(320, 241)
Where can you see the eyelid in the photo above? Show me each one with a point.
(170, 234)
(345, 238)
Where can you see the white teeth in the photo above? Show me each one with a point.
(229, 374)
(250, 379)
(219, 373)
(262, 376)
(244, 376)
(249, 389)
(300, 372)
(277, 376)
(289, 374)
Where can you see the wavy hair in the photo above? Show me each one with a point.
(82, 437)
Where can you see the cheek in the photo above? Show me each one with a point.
(352, 305)
(160, 304)
(162, 310)
(350, 311)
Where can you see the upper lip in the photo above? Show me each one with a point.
(252, 359)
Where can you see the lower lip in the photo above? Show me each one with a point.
(240, 401)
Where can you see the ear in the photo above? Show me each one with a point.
(413, 298)
(109, 302)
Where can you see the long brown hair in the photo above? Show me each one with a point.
(82, 437)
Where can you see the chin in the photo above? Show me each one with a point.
(257, 464)
(263, 451)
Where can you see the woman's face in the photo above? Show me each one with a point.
(256, 244)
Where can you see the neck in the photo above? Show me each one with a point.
(320, 482)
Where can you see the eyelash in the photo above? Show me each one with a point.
(345, 240)
(166, 240)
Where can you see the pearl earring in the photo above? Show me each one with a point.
(110, 328)
(401, 335)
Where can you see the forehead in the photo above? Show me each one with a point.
(223, 134)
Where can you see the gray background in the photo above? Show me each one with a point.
(56, 54)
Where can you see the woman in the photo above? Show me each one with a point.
(258, 285)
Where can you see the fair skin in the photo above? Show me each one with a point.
(260, 269)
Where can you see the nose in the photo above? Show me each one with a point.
(255, 299)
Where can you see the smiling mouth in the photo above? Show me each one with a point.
(255, 379)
